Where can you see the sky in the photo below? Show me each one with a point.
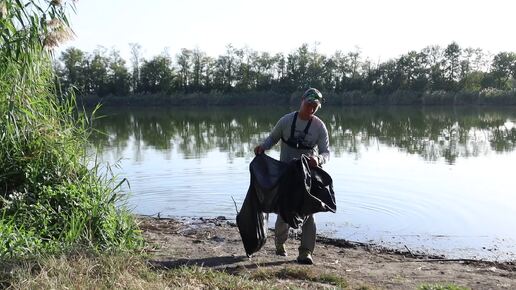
(379, 29)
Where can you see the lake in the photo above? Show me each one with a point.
(438, 180)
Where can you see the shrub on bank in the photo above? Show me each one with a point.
(49, 200)
(271, 98)
(495, 96)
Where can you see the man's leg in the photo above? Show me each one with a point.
(307, 241)
(281, 232)
(308, 234)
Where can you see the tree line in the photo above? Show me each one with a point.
(433, 73)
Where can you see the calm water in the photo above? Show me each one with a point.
(435, 180)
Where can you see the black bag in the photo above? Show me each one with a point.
(261, 198)
(252, 224)
(293, 190)
(304, 191)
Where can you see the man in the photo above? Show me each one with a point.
(301, 132)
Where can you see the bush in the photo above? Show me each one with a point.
(50, 199)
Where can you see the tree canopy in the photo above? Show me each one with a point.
(450, 69)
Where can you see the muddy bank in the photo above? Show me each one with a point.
(216, 243)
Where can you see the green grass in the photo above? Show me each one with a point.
(81, 271)
(301, 273)
(50, 200)
(441, 287)
(90, 270)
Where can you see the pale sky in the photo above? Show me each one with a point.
(382, 29)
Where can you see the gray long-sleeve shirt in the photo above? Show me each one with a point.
(316, 137)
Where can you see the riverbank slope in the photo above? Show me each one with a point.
(216, 244)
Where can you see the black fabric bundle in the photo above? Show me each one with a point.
(293, 190)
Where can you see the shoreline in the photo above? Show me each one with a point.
(216, 243)
(404, 251)
(344, 99)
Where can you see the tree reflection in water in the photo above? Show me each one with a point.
(433, 133)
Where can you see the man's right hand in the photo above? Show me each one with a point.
(258, 150)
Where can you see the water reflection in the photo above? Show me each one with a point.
(432, 133)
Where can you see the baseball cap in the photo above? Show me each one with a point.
(313, 95)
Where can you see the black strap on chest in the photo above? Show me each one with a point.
(292, 142)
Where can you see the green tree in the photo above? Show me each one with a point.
(451, 65)
(472, 82)
(297, 68)
(73, 73)
(199, 60)
(157, 75)
(136, 59)
(471, 65)
(209, 74)
(97, 73)
(264, 71)
(342, 70)
(184, 63)
(503, 68)
(412, 71)
(354, 80)
(315, 70)
(434, 58)
(225, 68)
(119, 79)
(244, 74)
(280, 76)
(328, 76)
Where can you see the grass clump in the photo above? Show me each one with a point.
(441, 287)
(80, 271)
(50, 200)
(204, 278)
(90, 271)
(302, 273)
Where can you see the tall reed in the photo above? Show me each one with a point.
(50, 199)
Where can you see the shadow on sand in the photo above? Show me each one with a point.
(226, 262)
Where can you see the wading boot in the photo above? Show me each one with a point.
(305, 257)
(280, 250)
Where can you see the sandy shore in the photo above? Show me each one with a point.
(216, 243)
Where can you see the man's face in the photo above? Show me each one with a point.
(309, 108)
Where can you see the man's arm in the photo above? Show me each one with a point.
(273, 137)
(323, 146)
